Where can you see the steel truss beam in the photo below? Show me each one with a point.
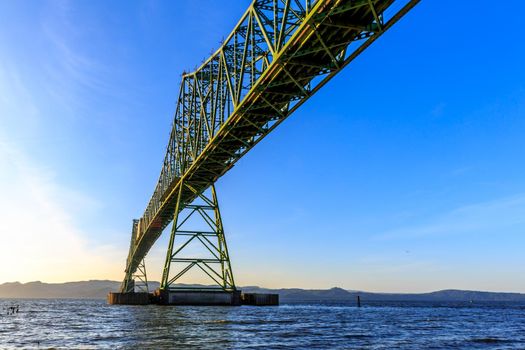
(280, 53)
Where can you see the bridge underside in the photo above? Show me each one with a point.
(280, 54)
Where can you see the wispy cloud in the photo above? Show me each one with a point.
(19, 110)
(74, 66)
(492, 216)
(41, 237)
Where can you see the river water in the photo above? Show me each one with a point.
(91, 324)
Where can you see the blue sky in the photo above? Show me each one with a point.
(404, 173)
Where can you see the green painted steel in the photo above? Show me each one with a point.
(214, 261)
(280, 53)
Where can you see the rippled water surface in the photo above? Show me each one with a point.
(91, 324)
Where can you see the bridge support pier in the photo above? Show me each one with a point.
(195, 297)
(197, 225)
(129, 298)
(139, 277)
(201, 249)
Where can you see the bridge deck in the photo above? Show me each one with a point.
(325, 38)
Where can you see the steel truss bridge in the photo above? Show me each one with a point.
(280, 53)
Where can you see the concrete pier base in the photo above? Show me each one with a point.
(259, 299)
(129, 298)
(181, 297)
(168, 297)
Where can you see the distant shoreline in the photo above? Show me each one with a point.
(98, 289)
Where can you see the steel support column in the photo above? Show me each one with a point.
(213, 260)
(140, 278)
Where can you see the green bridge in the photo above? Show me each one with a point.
(279, 54)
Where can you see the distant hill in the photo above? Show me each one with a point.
(98, 289)
(82, 290)
(339, 294)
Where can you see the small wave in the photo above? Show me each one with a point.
(357, 336)
(218, 321)
(488, 340)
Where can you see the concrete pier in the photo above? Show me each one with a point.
(129, 298)
(191, 297)
(259, 299)
(182, 297)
